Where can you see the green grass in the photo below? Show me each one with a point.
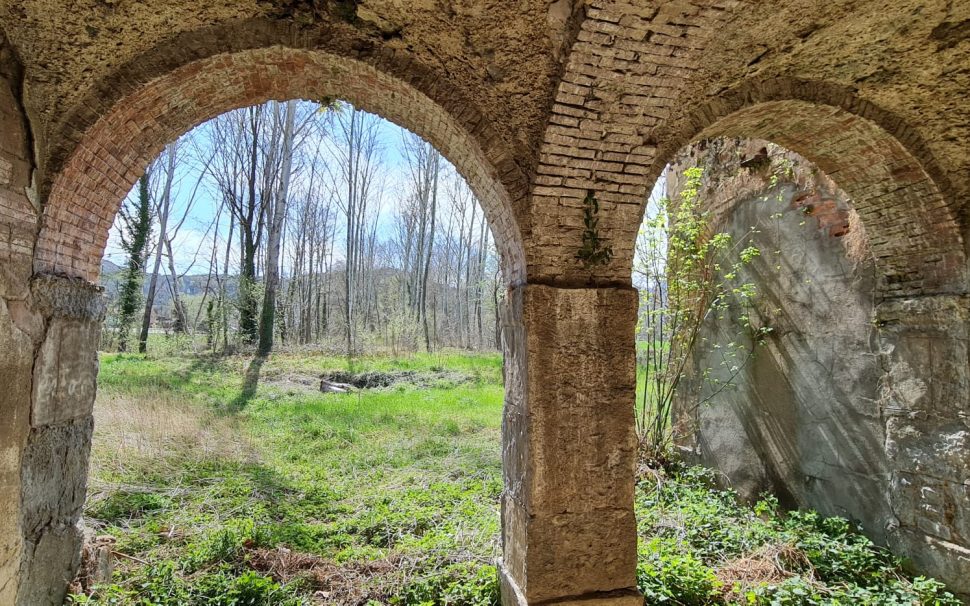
(222, 493)
(404, 476)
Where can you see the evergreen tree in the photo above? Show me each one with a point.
(136, 228)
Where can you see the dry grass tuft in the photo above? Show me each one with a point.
(161, 428)
(770, 564)
(349, 584)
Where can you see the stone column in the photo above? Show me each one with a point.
(67, 315)
(569, 447)
(17, 344)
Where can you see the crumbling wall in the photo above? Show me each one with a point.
(852, 406)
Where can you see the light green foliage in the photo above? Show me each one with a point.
(687, 273)
(694, 535)
(396, 490)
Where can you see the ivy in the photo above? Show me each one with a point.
(592, 252)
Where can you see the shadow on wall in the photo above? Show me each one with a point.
(855, 406)
(802, 420)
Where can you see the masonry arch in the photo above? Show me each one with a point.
(86, 189)
(82, 181)
(905, 322)
(902, 196)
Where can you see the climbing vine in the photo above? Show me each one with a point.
(592, 252)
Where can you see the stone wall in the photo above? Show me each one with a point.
(49, 328)
(18, 331)
(857, 404)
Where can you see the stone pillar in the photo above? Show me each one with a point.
(67, 314)
(569, 448)
(17, 342)
(925, 398)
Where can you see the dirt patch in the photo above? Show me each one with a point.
(370, 380)
(375, 379)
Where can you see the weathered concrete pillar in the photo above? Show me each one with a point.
(66, 316)
(925, 396)
(569, 448)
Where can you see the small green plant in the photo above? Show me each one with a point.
(465, 583)
(669, 573)
(592, 253)
(687, 273)
(121, 505)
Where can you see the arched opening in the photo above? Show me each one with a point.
(912, 226)
(358, 462)
(85, 193)
(99, 171)
(815, 383)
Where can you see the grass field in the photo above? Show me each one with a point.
(223, 492)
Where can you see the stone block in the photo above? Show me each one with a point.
(512, 595)
(581, 384)
(55, 467)
(66, 367)
(16, 360)
(65, 374)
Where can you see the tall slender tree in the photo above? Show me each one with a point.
(277, 215)
(136, 229)
(163, 207)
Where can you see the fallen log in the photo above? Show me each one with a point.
(334, 387)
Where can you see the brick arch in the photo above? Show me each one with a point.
(87, 178)
(901, 194)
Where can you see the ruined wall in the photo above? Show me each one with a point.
(855, 406)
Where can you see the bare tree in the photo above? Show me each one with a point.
(162, 208)
(288, 181)
(424, 164)
(359, 153)
(277, 215)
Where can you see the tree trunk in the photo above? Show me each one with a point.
(138, 225)
(163, 209)
(427, 263)
(278, 214)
